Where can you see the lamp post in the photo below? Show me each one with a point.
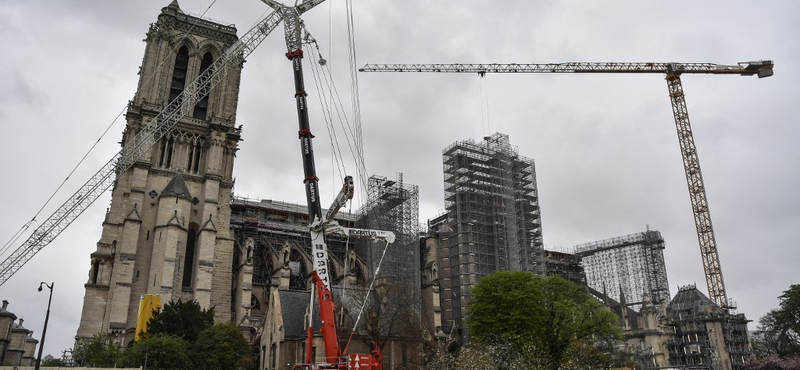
(46, 318)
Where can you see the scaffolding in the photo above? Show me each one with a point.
(629, 266)
(566, 265)
(493, 218)
(271, 225)
(706, 335)
(393, 205)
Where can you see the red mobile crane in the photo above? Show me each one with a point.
(319, 227)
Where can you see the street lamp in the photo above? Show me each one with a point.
(46, 318)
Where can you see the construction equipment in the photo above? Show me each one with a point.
(335, 357)
(691, 163)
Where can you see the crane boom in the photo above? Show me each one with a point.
(761, 68)
(691, 162)
(137, 147)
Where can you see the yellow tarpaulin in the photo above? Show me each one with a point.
(147, 303)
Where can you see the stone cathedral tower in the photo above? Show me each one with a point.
(167, 230)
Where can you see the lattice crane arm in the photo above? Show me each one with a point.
(760, 68)
(691, 162)
(136, 147)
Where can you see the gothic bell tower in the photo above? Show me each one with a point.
(167, 229)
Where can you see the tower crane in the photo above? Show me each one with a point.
(691, 163)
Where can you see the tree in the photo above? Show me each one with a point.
(548, 318)
(222, 347)
(50, 361)
(98, 351)
(788, 320)
(159, 351)
(779, 330)
(774, 363)
(388, 315)
(184, 319)
(504, 306)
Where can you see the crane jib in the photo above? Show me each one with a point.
(759, 68)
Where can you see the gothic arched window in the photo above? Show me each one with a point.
(188, 259)
(201, 108)
(179, 75)
(165, 152)
(195, 149)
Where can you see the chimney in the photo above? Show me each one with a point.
(20, 321)
(5, 305)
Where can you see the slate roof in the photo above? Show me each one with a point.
(689, 299)
(177, 188)
(7, 313)
(294, 304)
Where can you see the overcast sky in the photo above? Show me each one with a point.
(605, 147)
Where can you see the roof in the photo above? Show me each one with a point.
(19, 327)
(692, 300)
(7, 313)
(294, 304)
(177, 188)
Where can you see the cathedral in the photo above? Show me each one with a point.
(174, 228)
(167, 230)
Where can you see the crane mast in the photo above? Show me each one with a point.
(691, 163)
(319, 225)
(135, 148)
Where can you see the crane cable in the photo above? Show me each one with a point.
(324, 82)
(358, 138)
(323, 85)
(484, 91)
(25, 227)
(326, 88)
(355, 96)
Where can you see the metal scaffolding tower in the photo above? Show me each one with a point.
(394, 205)
(493, 218)
(628, 266)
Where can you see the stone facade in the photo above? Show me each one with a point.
(280, 271)
(6, 323)
(167, 229)
(689, 332)
(17, 345)
(18, 352)
(29, 353)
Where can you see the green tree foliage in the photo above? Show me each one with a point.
(183, 319)
(777, 342)
(549, 320)
(50, 361)
(98, 351)
(788, 320)
(504, 306)
(158, 351)
(222, 347)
